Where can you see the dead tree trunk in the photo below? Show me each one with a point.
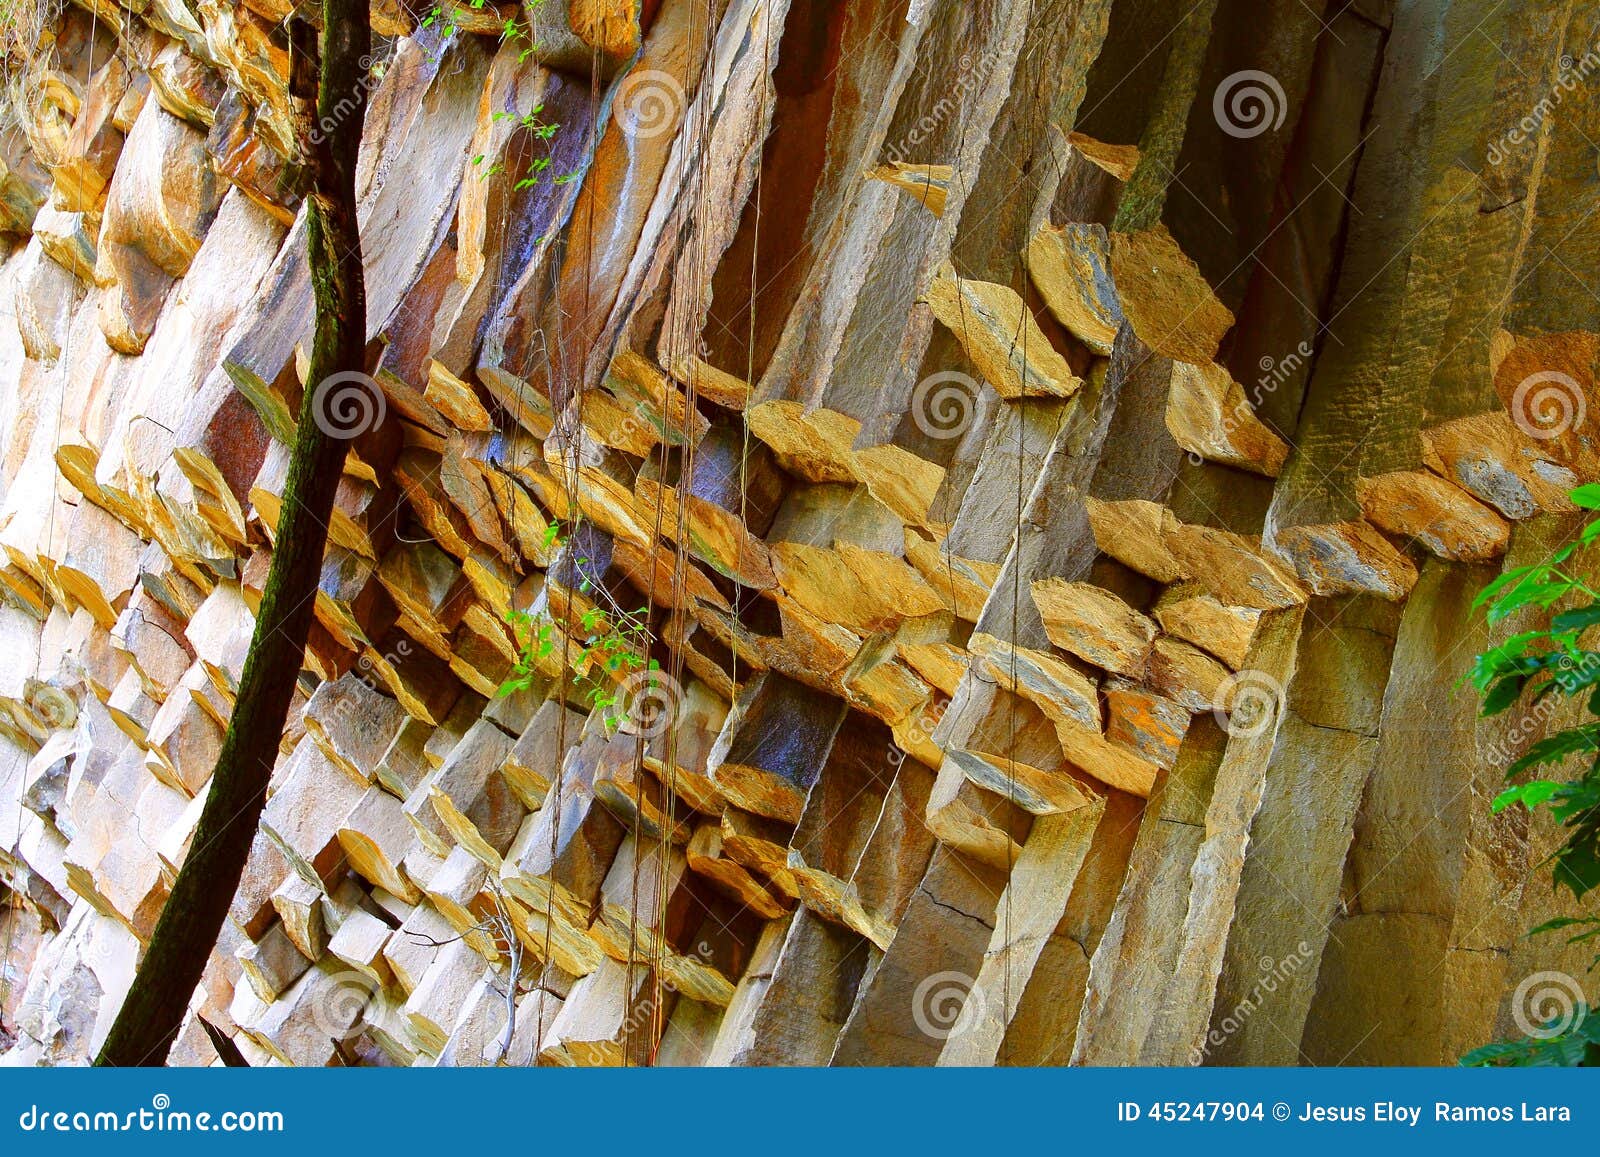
(330, 102)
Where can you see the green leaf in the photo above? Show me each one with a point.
(1498, 1054)
(1568, 1048)
(1587, 497)
(1577, 619)
(1503, 694)
(1554, 749)
(1499, 584)
(1510, 657)
(1577, 868)
(1530, 593)
(1563, 922)
(1529, 795)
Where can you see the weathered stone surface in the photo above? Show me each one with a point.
(1446, 520)
(1002, 339)
(1166, 298)
(1049, 517)
(1208, 416)
(1071, 267)
(1095, 625)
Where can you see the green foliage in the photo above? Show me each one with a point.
(445, 16)
(1576, 1045)
(1550, 661)
(1540, 668)
(612, 644)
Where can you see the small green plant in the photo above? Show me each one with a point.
(541, 130)
(444, 16)
(447, 18)
(612, 643)
(1542, 667)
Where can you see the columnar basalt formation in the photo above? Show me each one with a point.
(1054, 446)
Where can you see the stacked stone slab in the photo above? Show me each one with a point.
(1056, 445)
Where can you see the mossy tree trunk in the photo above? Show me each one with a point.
(330, 103)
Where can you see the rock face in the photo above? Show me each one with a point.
(1054, 446)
